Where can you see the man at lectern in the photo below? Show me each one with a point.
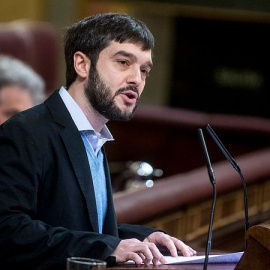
(56, 199)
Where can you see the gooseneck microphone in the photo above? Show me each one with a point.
(235, 166)
(213, 182)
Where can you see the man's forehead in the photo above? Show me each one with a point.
(129, 49)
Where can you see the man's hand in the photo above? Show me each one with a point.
(146, 252)
(173, 244)
(137, 251)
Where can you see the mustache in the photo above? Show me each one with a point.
(129, 87)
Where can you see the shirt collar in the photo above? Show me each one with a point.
(79, 117)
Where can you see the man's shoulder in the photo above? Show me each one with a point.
(42, 112)
(48, 117)
(32, 117)
(25, 122)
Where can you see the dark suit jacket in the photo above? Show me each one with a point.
(47, 201)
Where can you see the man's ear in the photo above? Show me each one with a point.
(81, 64)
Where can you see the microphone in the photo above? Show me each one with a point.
(235, 166)
(213, 182)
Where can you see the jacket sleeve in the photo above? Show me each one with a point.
(134, 231)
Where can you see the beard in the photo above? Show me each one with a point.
(99, 96)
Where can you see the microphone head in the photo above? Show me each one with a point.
(222, 148)
(207, 158)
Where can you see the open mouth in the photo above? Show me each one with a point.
(130, 96)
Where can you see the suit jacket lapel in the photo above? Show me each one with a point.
(77, 154)
(110, 223)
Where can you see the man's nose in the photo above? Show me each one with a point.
(134, 77)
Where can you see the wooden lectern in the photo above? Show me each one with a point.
(257, 253)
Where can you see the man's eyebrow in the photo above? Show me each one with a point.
(132, 56)
(125, 53)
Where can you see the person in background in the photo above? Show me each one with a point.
(20, 87)
(55, 189)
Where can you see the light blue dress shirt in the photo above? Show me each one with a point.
(93, 142)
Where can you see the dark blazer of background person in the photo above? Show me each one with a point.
(47, 193)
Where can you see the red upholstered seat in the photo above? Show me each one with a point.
(35, 43)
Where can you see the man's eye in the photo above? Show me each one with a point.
(123, 62)
(145, 72)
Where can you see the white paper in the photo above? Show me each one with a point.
(218, 258)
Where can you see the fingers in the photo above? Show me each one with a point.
(148, 253)
(185, 249)
(145, 260)
(173, 244)
(137, 251)
(133, 257)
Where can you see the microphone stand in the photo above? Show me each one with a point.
(236, 167)
(210, 229)
(213, 182)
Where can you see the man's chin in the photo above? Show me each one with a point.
(119, 113)
(130, 111)
(123, 115)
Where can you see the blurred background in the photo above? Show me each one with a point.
(217, 51)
